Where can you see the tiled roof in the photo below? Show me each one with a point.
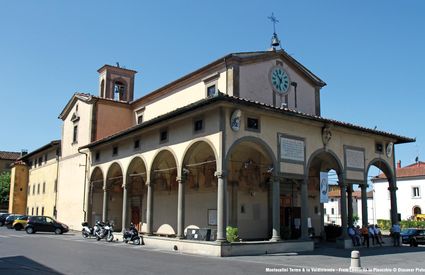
(356, 194)
(413, 170)
(9, 155)
(401, 139)
(88, 98)
(241, 56)
(44, 147)
(236, 100)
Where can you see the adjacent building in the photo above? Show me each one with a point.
(411, 187)
(34, 181)
(6, 159)
(332, 209)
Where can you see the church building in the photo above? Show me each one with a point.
(239, 142)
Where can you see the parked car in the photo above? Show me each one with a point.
(3, 217)
(413, 236)
(20, 222)
(45, 224)
(10, 219)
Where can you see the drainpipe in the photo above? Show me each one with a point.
(57, 189)
(85, 183)
(227, 76)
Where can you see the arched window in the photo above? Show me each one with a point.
(119, 90)
(102, 88)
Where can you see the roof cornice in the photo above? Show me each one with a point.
(235, 100)
(53, 143)
(233, 58)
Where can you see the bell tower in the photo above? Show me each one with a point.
(116, 83)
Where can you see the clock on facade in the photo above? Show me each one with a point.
(279, 80)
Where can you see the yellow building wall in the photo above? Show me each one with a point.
(40, 197)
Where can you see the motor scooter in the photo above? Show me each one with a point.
(87, 231)
(132, 235)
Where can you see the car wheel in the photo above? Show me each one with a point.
(58, 231)
(413, 243)
(29, 230)
(18, 227)
(1, 223)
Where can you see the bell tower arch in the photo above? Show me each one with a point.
(116, 83)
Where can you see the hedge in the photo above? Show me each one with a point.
(386, 224)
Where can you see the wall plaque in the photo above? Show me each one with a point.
(292, 149)
(354, 158)
(212, 216)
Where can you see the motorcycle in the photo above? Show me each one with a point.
(105, 232)
(97, 228)
(132, 235)
(87, 230)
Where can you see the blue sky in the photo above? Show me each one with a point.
(370, 53)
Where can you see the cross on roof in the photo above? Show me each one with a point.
(274, 21)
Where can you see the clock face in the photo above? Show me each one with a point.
(279, 80)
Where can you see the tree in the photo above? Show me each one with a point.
(4, 187)
(355, 219)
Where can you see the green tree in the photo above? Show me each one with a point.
(4, 187)
(355, 219)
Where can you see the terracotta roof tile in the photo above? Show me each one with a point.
(248, 102)
(9, 155)
(412, 170)
(334, 192)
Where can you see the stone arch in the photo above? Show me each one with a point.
(322, 160)
(199, 154)
(339, 167)
(199, 164)
(97, 173)
(114, 189)
(392, 186)
(136, 192)
(197, 141)
(161, 151)
(102, 88)
(264, 145)
(163, 182)
(250, 165)
(384, 167)
(120, 86)
(95, 202)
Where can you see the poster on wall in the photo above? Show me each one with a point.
(212, 216)
(324, 187)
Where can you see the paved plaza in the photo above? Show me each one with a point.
(44, 253)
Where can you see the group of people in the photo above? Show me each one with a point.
(361, 236)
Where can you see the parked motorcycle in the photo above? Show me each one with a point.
(132, 235)
(87, 230)
(105, 232)
(97, 228)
